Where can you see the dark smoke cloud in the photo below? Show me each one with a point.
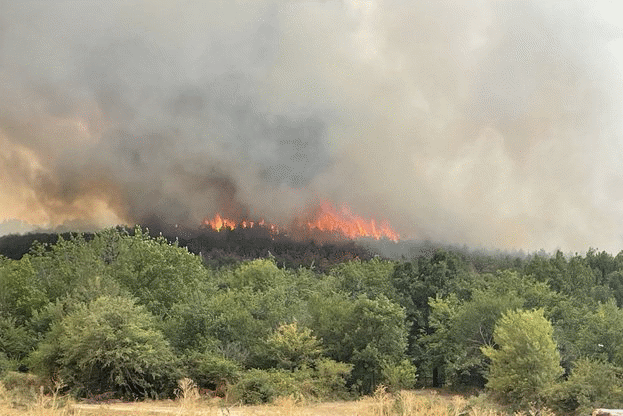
(492, 123)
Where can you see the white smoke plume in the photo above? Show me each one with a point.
(487, 123)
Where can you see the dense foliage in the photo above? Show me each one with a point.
(526, 362)
(109, 344)
(121, 311)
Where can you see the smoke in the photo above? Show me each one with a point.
(488, 123)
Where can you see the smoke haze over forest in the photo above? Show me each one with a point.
(487, 123)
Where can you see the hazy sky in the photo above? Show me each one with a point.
(487, 123)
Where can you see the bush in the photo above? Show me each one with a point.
(22, 388)
(109, 345)
(326, 381)
(592, 384)
(15, 380)
(16, 341)
(330, 379)
(263, 386)
(399, 376)
(213, 370)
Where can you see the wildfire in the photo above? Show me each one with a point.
(218, 223)
(326, 219)
(350, 225)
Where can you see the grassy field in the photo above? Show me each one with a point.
(191, 403)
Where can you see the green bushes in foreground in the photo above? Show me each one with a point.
(592, 384)
(128, 314)
(324, 382)
(110, 344)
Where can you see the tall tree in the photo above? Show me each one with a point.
(524, 359)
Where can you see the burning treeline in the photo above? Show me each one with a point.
(490, 123)
(341, 223)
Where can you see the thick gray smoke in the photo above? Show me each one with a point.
(491, 123)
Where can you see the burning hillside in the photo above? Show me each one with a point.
(485, 123)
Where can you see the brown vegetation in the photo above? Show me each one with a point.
(190, 402)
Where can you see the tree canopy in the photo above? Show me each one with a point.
(122, 311)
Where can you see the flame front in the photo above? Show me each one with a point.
(327, 219)
(218, 223)
(350, 225)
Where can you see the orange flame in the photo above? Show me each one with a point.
(327, 219)
(218, 223)
(351, 225)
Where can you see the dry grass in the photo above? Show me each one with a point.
(15, 402)
(187, 396)
(189, 402)
(406, 403)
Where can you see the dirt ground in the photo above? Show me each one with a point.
(418, 402)
(159, 408)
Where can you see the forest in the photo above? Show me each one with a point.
(121, 313)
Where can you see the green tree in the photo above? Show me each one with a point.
(256, 275)
(330, 314)
(593, 383)
(237, 310)
(291, 347)
(569, 318)
(156, 272)
(603, 263)
(415, 283)
(600, 333)
(573, 277)
(368, 333)
(461, 329)
(110, 344)
(21, 292)
(16, 341)
(615, 283)
(65, 265)
(372, 277)
(221, 320)
(524, 361)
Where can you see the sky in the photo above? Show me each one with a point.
(494, 124)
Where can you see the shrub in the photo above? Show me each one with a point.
(15, 380)
(213, 370)
(263, 386)
(22, 389)
(592, 384)
(16, 341)
(110, 344)
(326, 381)
(330, 379)
(399, 376)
